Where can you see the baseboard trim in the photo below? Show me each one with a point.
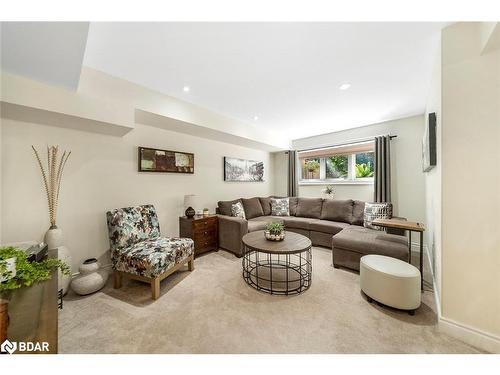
(435, 289)
(470, 335)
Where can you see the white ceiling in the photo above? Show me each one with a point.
(50, 52)
(287, 74)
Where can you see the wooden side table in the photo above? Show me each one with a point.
(410, 226)
(204, 230)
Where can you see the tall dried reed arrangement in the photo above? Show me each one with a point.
(52, 178)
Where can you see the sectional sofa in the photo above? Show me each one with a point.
(331, 223)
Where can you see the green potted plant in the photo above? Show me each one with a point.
(312, 166)
(16, 272)
(206, 212)
(275, 231)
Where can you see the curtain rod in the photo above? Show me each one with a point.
(366, 139)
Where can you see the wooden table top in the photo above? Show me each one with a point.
(293, 243)
(399, 224)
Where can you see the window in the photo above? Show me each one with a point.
(311, 168)
(352, 163)
(364, 165)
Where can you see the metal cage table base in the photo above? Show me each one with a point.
(282, 274)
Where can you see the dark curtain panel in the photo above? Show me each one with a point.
(293, 180)
(382, 169)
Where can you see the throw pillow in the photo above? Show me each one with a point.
(376, 211)
(237, 210)
(252, 207)
(225, 206)
(266, 205)
(280, 207)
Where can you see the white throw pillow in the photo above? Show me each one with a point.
(376, 211)
(237, 210)
(280, 206)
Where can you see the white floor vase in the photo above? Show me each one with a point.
(91, 279)
(53, 238)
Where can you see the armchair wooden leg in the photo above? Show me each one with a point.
(191, 263)
(117, 280)
(155, 288)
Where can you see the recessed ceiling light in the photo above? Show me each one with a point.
(185, 88)
(344, 86)
(256, 118)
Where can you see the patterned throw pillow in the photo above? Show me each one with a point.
(237, 210)
(280, 207)
(376, 211)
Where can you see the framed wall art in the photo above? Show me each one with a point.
(243, 170)
(156, 160)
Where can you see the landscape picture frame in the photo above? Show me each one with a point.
(164, 161)
(243, 170)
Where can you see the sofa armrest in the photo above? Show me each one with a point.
(231, 231)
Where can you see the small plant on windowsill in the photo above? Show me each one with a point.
(275, 231)
(312, 165)
(17, 272)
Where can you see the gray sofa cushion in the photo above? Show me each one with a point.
(254, 225)
(321, 239)
(326, 226)
(337, 210)
(266, 205)
(268, 219)
(358, 213)
(253, 208)
(297, 222)
(368, 241)
(293, 201)
(260, 222)
(225, 206)
(303, 232)
(309, 207)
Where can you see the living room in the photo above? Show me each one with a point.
(232, 183)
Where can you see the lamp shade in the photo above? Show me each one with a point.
(190, 201)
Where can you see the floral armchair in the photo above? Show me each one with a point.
(138, 251)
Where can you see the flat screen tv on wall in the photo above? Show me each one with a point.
(429, 152)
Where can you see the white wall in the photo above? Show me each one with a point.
(408, 188)
(470, 183)
(433, 177)
(102, 174)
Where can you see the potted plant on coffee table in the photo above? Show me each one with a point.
(16, 272)
(275, 231)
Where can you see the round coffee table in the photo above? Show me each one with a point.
(277, 267)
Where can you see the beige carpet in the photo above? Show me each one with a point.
(212, 310)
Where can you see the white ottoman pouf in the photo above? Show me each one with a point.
(390, 281)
